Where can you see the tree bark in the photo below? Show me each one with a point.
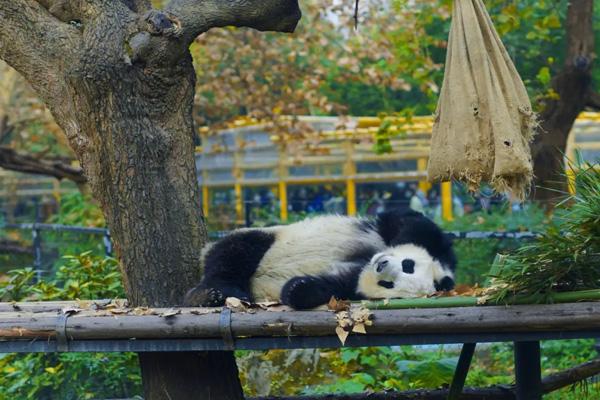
(573, 87)
(118, 78)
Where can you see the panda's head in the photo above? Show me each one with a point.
(405, 270)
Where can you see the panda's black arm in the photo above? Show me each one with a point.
(304, 292)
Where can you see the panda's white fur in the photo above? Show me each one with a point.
(309, 247)
(305, 263)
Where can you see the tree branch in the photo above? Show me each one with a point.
(550, 383)
(35, 43)
(491, 393)
(197, 17)
(570, 376)
(593, 100)
(11, 160)
(8, 246)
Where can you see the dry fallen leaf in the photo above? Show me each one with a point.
(279, 308)
(143, 311)
(236, 304)
(338, 305)
(171, 312)
(84, 304)
(70, 310)
(342, 334)
(100, 304)
(267, 304)
(359, 328)
(204, 311)
(460, 290)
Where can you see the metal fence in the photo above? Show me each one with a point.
(49, 241)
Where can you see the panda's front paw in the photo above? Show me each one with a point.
(305, 292)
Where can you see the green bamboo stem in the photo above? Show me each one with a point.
(471, 301)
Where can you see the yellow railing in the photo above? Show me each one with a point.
(344, 151)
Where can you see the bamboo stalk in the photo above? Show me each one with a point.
(471, 301)
(430, 302)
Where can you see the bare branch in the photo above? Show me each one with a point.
(593, 100)
(8, 246)
(39, 46)
(550, 383)
(570, 376)
(35, 43)
(11, 160)
(197, 17)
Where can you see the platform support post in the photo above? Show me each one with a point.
(462, 369)
(528, 371)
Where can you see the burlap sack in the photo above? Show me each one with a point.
(484, 122)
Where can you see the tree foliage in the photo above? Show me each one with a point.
(393, 63)
(25, 123)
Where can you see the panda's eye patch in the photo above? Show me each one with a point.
(381, 265)
(408, 266)
(386, 284)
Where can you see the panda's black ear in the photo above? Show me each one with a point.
(391, 224)
(445, 284)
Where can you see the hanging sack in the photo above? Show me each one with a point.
(483, 122)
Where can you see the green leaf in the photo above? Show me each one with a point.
(543, 76)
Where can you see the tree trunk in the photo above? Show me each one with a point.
(574, 90)
(118, 78)
(141, 168)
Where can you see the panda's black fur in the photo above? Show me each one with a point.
(235, 265)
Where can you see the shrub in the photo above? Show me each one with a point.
(68, 375)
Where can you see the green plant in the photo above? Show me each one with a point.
(78, 209)
(68, 375)
(475, 256)
(355, 370)
(566, 256)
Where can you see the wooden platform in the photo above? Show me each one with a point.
(107, 326)
(78, 327)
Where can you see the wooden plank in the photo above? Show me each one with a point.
(124, 324)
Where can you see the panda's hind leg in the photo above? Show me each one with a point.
(214, 294)
(228, 267)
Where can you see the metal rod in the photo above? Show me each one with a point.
(528, 371)
(37, 252)
(294, 342)
(108, 250)
(462, 369)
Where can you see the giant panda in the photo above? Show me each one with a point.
(304, 264)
